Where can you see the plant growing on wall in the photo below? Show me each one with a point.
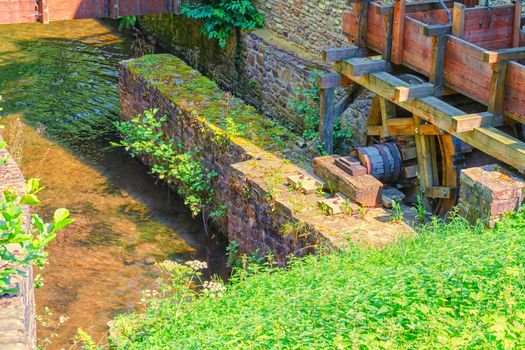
(143, 136)
(222, 17)
(20, 246)
(307, 106)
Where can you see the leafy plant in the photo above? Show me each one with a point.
(397, 212)
(143, 136)
(453, 287)
(307, 106)
(127, 22)
(420, 209)
(222, 17)
(31, 240)
(346, 207)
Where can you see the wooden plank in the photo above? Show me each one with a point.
(403, 93)
(515, 92)
(490, 140)
(439, 192)
(497, 88)
(364, 66)
(437, 29)
(388, 19)
(398, 31)
(337, 54)
(362, 23)
(516, 53)
(458, 20)
(327, 119)
(402, 126)
(437, 64)
(388, 112)
(424, 159)
(469, 122)
(43, 7)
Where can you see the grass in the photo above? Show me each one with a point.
(456, 286)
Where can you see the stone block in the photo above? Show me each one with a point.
(487, 192)
(365, 190)
(389, 195)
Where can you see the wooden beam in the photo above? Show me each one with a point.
(402, 126)
(403, 94)
(388, 112)
(339, 53)
(516, 25)
(43, 7)
(488, 139)
(458, 20)
(329, 80)
(469, 122)
(497, 88)
(362, 22)
(437, 63)
(388, 19)
(351, 93)
(327, 119)
(437, 29)
(412, 7)
(398, 31)
(516, 53)
(363, 66)
(439, 192)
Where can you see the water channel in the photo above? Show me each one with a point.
(59, 83)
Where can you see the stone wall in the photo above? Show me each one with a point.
(253, 158)
(312, 24)
(17, 312)
(259, 66)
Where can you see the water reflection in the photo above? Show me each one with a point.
(60, 81)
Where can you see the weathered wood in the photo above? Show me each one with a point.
(469, 122)
(339, 53)
(43, 8)
(516, 23)
(497, 88)
(388, 23)
(398, 31)
(437, 29)
(424, 159)
(439, 192)
(388, 111)
(458, 20)
(402, 126)
(362, 23)
(364, 66)
(516, 53)
(329, 80)
(327, 119)
(437, 64)
(403, 93)
(492, 141)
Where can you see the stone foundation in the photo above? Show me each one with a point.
(488, 192)
(17, 312)
(259, 66)
(263, 212)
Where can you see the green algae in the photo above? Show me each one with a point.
(222, 112)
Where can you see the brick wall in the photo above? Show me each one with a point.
(312, 24)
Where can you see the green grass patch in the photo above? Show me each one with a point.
(456, 286)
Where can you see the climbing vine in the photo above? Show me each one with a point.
(143, 136)
(222, 17)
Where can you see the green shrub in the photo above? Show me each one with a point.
(143, 136)
(455, 286)
(31, 243)
(221, 17)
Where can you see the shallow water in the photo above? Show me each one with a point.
(59, 84)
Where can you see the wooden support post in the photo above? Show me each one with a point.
(458, 20)
(437, 63)
(327, 119)
(362, 22)
(388, 18)
(398, 31)
(43, 7)
(424, 160)
(388, 111)
(497, 88)
(516, 26)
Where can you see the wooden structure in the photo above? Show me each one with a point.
(26, 11)
(448, 79)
